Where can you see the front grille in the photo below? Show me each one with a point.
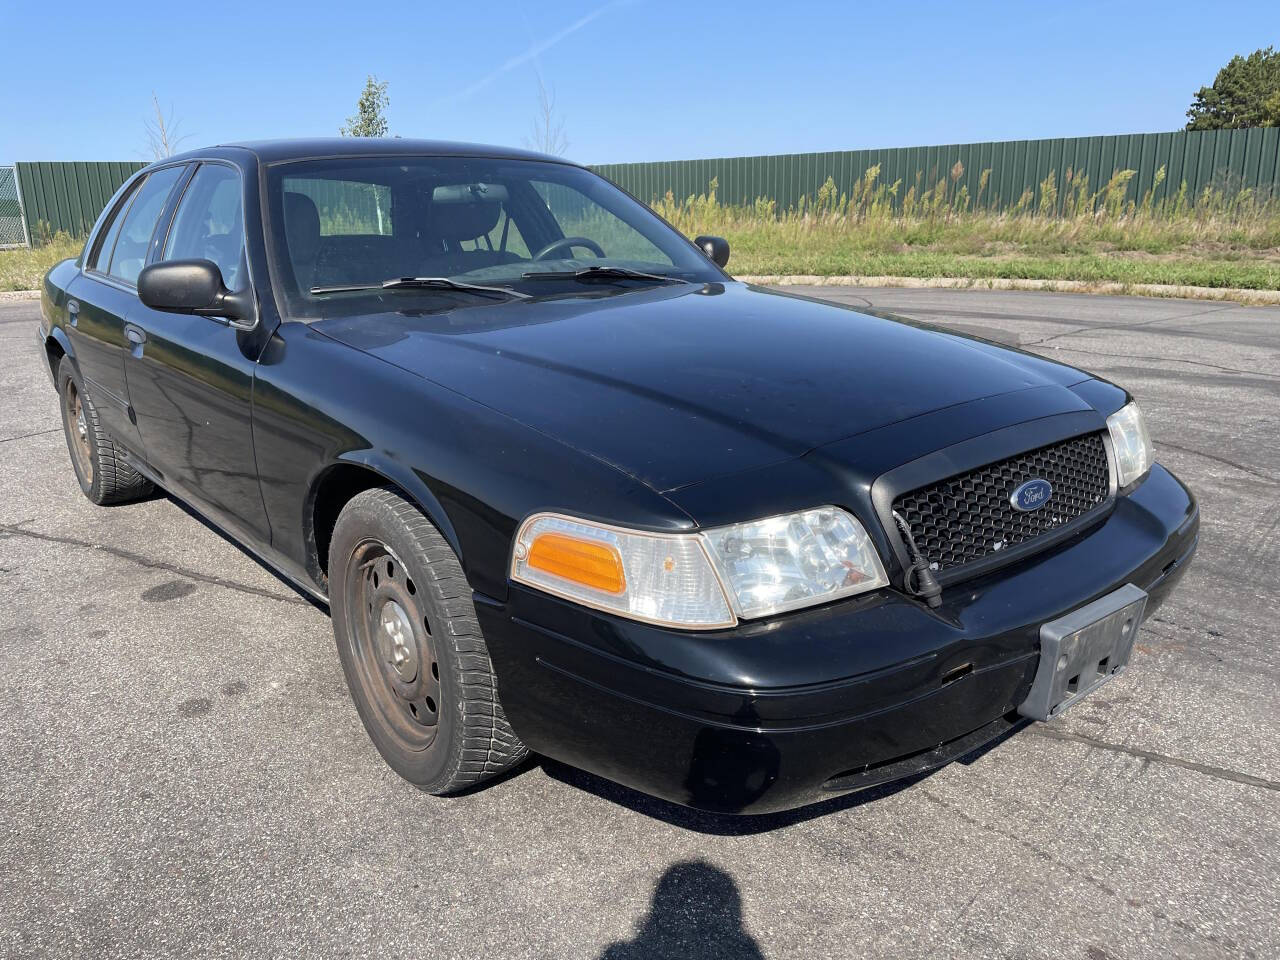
(969, 517)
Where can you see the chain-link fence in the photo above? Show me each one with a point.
(13, 230)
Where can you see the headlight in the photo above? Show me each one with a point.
(1131, 444)
(700, 581)
(659, 578)
(795, 560)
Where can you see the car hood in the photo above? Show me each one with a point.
(678, 384)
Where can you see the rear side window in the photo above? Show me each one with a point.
(139, 223)
(347, 208)
(209, 224)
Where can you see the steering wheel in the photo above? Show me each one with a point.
(567, 244)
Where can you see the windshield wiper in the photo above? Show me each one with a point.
(423, 283)
(588, 274)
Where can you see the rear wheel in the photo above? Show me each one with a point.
(104, 475)
(411, 649)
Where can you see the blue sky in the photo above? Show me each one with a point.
(638, 80)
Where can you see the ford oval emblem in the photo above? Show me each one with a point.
(1032, 495)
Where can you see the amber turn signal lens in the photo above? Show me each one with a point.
(590, 563)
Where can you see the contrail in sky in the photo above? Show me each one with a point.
(533, 52)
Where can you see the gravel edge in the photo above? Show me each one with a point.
(1235, 294)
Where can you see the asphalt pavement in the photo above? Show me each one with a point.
(182, 772)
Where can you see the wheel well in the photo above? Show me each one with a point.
(335, 491)
(54, 353)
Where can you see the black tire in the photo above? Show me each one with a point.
(104, 475)
(411, 649)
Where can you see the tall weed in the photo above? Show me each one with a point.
(1057, 216)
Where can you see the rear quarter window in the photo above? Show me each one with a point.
(100, 256)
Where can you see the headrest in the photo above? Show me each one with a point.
(301, 226)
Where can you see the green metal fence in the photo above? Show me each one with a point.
(1230, 159)
(67, 197)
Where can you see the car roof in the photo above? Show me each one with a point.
(272, 151)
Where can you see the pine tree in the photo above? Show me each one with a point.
(1246, 93)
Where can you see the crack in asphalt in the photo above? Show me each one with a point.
(1220, 773)
(865, 301)
(1198, 363)
(1037, 851)
(24, 436)
(978, 314)
(1127, 326)
(1217, 459)
(1061, 865)
(19, 530)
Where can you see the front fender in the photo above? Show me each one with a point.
(394, 473)
(476, 473)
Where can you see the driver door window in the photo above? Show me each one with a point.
(209, 224)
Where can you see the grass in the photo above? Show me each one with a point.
(1222, 239)
(829, 259)
(22, 269)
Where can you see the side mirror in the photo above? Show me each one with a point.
(194, 286)
(716, 249)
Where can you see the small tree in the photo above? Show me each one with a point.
(1246, 93)
(1271, 110)
(547, 133)
(369, 120)
(162, 132)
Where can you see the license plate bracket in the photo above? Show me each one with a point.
(1083, 650)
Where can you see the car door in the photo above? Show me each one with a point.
(100, 297)
(191, 378)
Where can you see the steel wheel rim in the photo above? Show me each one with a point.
(78, 426)
(392, 648)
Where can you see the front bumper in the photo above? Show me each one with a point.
(778, 713)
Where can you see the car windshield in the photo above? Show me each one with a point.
(465, 228)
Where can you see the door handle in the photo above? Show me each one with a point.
(137, 336)
(73, 311)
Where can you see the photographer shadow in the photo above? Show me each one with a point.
(696, 912)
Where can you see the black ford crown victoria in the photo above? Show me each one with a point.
(567, 487)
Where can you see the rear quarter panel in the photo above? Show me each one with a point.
(53, 304)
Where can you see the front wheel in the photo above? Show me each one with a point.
(411, 648)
